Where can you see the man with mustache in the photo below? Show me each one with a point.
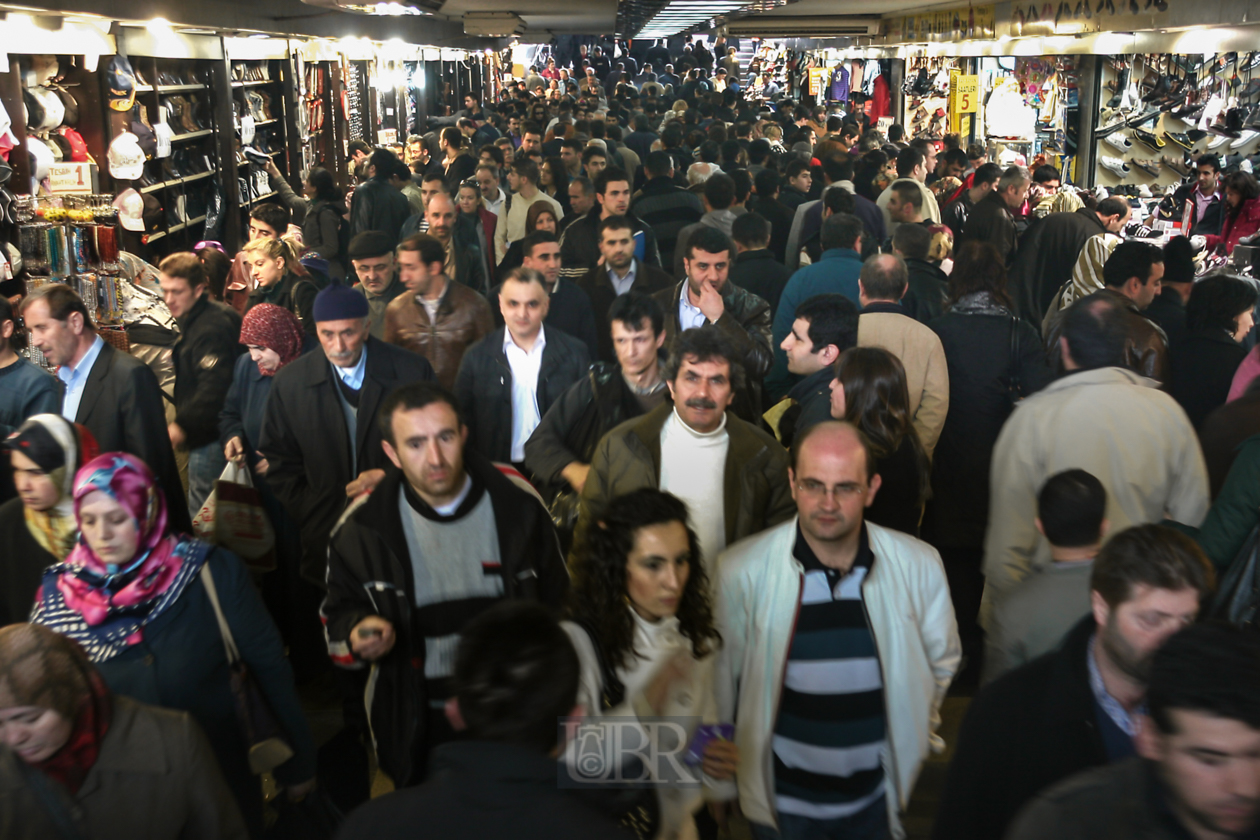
(1080, 706)
(731, 474)
(320, 434)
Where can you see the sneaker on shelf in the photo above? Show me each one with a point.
(1119, 141)
(1109, 125)
(1144, 191)
(1181, 139)
(1219, 141)
(1114, 165)
(1244, 138)
(1149, 139)
(1149, 166)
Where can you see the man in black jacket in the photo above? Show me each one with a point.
(928, 285)
(560, 449)
(620, 273)
(1078, 707)
(1202, 201)
(663, 205)
(705, 296)
(825, 326)
(992, 220)
(767, 205)
(319, 434)
(509, 379)
(115, 395)
(444, 536)
(1049, 250)
(376, 205)
(568, 306)
(579, 246)
(756, 267)
(204, 356)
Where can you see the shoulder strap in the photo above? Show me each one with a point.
(614, 690)
(55, 807)
(229, 644)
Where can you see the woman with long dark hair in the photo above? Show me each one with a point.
(1242, 212)
(553, 179)
(1201, 368)
(870, 392)
(641, 620)
(994, 359)
(322, 208)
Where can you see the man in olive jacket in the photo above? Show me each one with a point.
(678, 448)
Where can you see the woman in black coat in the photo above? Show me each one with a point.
(1201, 367)
(994, 359)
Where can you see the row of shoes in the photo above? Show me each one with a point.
(251, 72)
(259, 104)
(183, 163)
(181, 112)
(923, 82)
(1083, 10)
(173, 78)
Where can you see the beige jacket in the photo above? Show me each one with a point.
(927, 376)
(1111, 422)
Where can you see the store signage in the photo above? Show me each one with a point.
(66, 178)
(963, 23)
(966, 94)
(817, 80)
(387, 136)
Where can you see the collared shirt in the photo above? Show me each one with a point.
(621, 285)
(495, 206)
(76, 379)
(1203, 202)
(353, 377)
(689, 316)
(525, 369)
(1110, 705)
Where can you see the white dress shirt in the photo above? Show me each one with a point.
(76, 379)
(495, 206)
(525, 369)
(689, 316)
(353, 377)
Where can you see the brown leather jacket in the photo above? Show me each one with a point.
(463, 317)
(1146, 351)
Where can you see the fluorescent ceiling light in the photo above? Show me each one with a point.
(684, 14)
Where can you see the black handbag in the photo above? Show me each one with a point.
(1238, 595)
(268, 748)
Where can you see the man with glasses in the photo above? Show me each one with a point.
(838, 644)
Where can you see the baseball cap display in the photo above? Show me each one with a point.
(54, 111)
(126, 158)
(121, 81)
(130, 205)
(78, 148)
(70, 104)
(42, 158)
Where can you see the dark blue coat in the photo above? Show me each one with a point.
(181, 664)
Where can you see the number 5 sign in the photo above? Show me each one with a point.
(966, 94)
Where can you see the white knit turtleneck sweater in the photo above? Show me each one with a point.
(693, 468)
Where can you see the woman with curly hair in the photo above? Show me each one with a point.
(641, 620)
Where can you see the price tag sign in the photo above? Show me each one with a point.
(966, 94)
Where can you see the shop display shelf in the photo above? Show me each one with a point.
(175, 183)
(170, 88)
(254, 83)
(259, 198)
(261, 123)
(192, 135)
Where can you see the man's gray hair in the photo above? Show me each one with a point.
(1015, 176)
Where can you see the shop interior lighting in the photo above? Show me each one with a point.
(684, 14)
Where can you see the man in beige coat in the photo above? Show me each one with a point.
(1099, 417)
(884, 323)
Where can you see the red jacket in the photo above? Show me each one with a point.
(1245, 222)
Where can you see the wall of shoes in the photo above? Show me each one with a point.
(1161, 112)
(261, 95)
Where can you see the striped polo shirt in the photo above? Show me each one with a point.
(830, 731)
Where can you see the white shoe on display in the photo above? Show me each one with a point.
(1219, 141)
(1244, 138)
(1115, 165)
(1119, 141)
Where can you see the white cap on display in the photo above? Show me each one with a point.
(43, 158)
(126, 158)
(6, 126)
(130, 205)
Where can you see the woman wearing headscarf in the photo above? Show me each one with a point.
(113, 768)
(274, 338)
(37, 529)
(133, 594)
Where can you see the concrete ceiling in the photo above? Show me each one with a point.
(562, 17)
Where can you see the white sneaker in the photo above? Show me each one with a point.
(1120, 141)
(1244, 138)
(1219, 141)
(1115, 165)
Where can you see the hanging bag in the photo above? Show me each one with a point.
(1237, 598)
(263, 733)
(233, 516)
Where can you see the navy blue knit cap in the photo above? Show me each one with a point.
(339, 303)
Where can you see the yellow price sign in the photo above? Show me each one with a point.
(966, 94)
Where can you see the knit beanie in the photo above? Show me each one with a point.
(339, 303)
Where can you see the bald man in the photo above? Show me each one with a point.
(464, 261)
(850, 719)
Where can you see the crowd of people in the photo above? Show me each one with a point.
(626, 398)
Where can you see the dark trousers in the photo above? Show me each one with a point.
(966, 586)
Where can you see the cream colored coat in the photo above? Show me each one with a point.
(1116, 425)
(927, 375)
